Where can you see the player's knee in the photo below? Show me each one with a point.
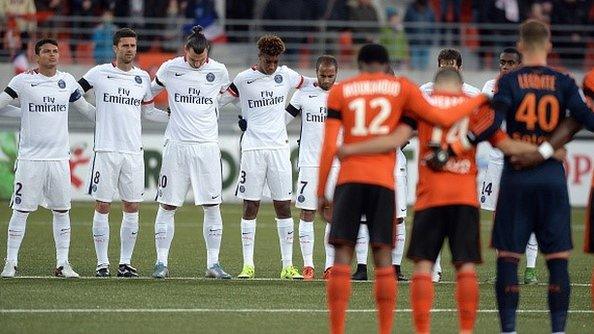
(283, 209)
(467, 267)
(506, 254)
(308, 215)
(250, 209)
(343, 254)
(168, 207)
(131, 207)
(423, 267)
(382, 255)
(558, 255)
(102, 207)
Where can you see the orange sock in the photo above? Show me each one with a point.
(467, 295)
(385, 297)
(338, 289)
(421, 294)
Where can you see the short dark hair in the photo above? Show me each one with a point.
(271, 45)
(373, 53)
(533, 32)
(121, 33)
(43, 41)
(448, 74)
(196, 40)
(513, 51)
(450, 54)
(326, 60)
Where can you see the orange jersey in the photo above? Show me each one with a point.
(367, 106)
(456, 183)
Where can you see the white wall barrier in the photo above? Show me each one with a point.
(579, 165)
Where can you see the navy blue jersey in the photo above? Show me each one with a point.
(533, 101)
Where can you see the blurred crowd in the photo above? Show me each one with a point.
(407, 27)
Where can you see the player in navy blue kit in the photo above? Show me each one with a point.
(532, 101)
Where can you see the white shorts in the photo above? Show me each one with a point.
(114, 171)
(400, 174)
(307, 186)
(401, 207)
(490, 186)
(260, 167)
(190, 164)
(41, 182)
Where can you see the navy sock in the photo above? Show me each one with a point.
(507, 292)
(559, 290)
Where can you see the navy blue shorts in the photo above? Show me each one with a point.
(534, 200)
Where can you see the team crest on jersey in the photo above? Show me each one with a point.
(301, 198)
(138, 79)
(61, 84)
(210, 77)
(278, 78)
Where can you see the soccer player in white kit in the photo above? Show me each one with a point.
(448, 58)
(310, 103)
(191, 156)
(509, 60)
(265, 157)
(122, 96)
(42, 174)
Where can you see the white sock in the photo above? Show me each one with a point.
(285, 236)
(398, 250)
(61, 227)
(16, 232)
(531, 251)
(437, 264)
(306, 241)
(362, 246)
(128, 235)
(101, 236)
(248, 240)
(212, 230)
(329, 248)
(164, 231)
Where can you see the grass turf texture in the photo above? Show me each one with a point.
(187, 304)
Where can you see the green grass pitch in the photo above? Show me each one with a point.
(186, 303)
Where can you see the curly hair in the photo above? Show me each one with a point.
(271, 45)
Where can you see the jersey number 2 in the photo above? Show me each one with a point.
(376, 126)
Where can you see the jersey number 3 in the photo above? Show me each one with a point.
(376, 126)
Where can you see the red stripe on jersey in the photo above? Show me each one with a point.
(148, 102)
(232, 92)
(300, 83)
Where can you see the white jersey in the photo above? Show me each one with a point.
(44, 114)
(470, 90)
(310, 102)
(263, 99)
(193, 95)
(489, 89)
(119, 96)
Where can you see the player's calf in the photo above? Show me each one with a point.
(128, 235)
(306, 242)
(16, 233)
(421, 294)
(558, 292)
(164, 231)
(507, 289)
(467, 296)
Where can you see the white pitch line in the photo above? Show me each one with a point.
(261, 279)
(207, 310)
